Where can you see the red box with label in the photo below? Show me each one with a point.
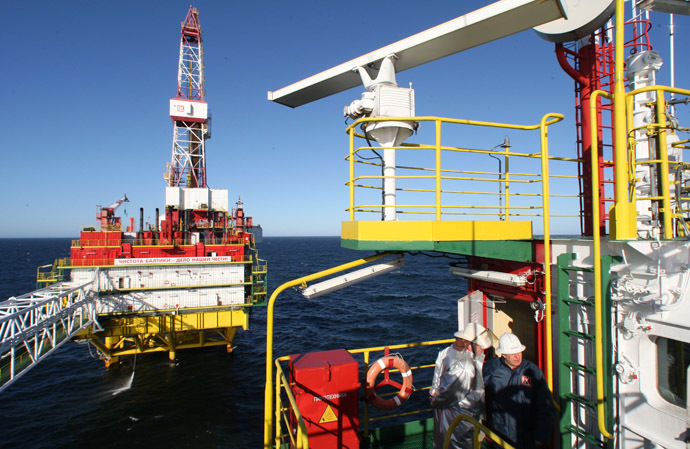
(325, 385)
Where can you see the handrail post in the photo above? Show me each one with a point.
(547, 246)
(620, 227)
(506, 217)
(352, 174)
(268, 389)
(438, 170)
(630, 142)
(366, 407)
(277, 413)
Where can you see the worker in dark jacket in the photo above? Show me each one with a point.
(519, 405)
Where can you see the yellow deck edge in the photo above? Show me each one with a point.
(439, 231)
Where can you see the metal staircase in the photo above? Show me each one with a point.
(576, 339)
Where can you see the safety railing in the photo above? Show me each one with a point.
(288, 417)
(667, 195)
(460, 188)
(33, 325)
(68, 262)
(50, 273)
(426, 369)
(478, 429)
(259, 282)
(269, 425)
(159, 241)
(291, 429)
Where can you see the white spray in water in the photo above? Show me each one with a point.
(128, 385)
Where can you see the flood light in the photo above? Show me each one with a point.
(497, 277)
(351, 278)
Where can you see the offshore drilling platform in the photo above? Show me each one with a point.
(188, 280)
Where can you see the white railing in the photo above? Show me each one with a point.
(35, 324)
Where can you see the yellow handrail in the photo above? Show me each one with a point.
(664, 164)
(301, 440)
(476, 438)
(437, 172)
(621, 227)
(268, 390)
(598, 306)
(449, 120)
(547, 244)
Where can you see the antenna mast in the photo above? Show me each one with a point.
(189, 111)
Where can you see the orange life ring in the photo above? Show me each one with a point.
(404, 390)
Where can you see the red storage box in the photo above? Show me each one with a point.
(325, 385)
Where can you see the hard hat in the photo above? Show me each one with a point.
(509, 344)
(476, 333)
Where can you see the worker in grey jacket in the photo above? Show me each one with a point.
(457, 386)
(519, 405)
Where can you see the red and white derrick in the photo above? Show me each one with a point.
(189, 111)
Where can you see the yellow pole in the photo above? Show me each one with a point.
(279, 405)
(629, 109)
(663, 155)
(438, 170)
(352, 174)
(620, 228)
(268, 390)
(547, 247)
(506, 170)
(598, 306)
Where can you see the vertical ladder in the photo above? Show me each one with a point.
(576, 367)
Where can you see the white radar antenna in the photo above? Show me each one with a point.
(385, 99)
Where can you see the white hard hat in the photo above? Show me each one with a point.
(509, 344)
(476, 333)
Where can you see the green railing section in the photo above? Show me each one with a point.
(259, 281)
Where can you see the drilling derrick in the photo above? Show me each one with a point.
(189, 111)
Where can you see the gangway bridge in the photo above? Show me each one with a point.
(35, 324)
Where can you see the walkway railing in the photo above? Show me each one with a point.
(669, 170)
(35, 324)
(291, 429)
(477, 436)
(451, 182)
(269, 425)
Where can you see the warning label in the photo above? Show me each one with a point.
(328, 415)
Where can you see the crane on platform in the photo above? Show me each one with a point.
(189, 111)
(106, 215)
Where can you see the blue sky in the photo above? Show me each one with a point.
(86, 86)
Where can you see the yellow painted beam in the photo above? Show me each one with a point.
(116, 326)
(438, 231)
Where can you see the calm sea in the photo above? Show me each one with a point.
(209, 398)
